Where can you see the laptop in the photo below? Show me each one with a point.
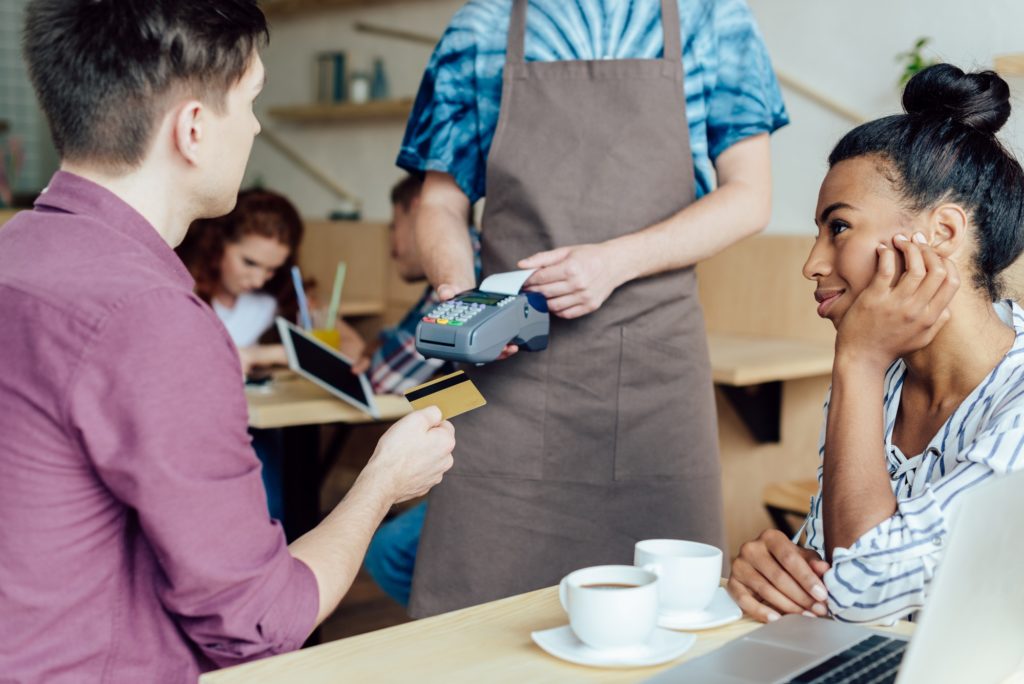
(324, 366)
(970, 631)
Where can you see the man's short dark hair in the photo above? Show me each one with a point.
(105, 70)
(406, 190)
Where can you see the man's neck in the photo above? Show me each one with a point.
(141, 190)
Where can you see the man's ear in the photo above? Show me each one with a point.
(948, 229)
(189, 131)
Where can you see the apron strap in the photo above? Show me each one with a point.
(670, 25)
(515, 53)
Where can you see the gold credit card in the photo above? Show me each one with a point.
(454, 394)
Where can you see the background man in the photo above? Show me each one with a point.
(397, 366)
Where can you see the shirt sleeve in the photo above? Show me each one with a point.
(886, 573)
(813, 523)
(744, 98)
(159, 408)
(444, 129)
(397, 365)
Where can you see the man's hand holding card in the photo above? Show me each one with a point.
(454, 394)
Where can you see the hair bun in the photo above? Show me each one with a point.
(980, 100)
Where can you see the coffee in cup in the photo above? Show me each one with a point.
(611, 606)
(688, 572)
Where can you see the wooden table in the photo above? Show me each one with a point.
(750, 372)
(290, 400)
(486, 643)
(300, 408)
(742, 360)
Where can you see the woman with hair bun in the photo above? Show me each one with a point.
(917, 218)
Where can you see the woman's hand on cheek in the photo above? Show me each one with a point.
(887, 321)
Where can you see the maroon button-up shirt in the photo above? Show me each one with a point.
(135, 543)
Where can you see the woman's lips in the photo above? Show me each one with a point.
(825, 299)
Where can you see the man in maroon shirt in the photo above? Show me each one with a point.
(136, 543)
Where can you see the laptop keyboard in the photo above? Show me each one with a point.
(874, 660)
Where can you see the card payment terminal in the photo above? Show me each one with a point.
(475, 326)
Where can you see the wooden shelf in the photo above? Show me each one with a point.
(383, 110)
(1010, 65)
(277, 8)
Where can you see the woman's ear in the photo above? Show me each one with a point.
(948, 223)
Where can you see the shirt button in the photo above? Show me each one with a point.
(937, 540)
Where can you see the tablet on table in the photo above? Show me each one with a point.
(326, 367)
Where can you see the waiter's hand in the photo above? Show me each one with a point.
(446, 291)
(575, 280)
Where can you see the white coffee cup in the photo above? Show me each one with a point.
(611, 606)
(688, 572)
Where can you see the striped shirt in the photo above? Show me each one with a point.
(396, 366)
(731, 91)
(885, 575)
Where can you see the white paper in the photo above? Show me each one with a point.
(506, 283)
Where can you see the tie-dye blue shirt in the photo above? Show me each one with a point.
(731, 91)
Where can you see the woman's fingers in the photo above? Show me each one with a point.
(936, 270)
(808, 589)
(748, 603)
(763, 575)
(886, 269)
(915, 271)
(819, 566)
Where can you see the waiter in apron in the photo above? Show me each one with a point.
(609, 436)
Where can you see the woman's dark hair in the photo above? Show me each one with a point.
(258, 212)
(944, 149)
(105, 70)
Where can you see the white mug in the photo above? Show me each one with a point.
(611, 606)
(688, 572)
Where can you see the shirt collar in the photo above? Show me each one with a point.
(73, 194)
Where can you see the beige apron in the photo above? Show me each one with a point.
(609, 436)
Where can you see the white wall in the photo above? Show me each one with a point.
(360, 156)
(846, 50)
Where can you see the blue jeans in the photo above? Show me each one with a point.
(391, 558)
(269, 448)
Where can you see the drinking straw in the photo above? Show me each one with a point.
(300, 293)
(332, 310)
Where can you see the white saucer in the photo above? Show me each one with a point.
(721, 611)
(663, 646)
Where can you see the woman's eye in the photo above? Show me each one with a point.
(837, 227)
